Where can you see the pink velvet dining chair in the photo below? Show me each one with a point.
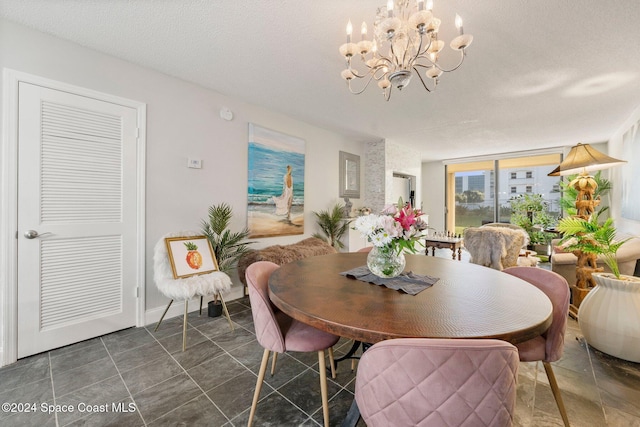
(277, 332)
(437, 382)
(549, 346)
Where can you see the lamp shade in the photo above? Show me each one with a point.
(584, 158)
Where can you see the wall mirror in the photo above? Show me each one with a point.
(349, 175)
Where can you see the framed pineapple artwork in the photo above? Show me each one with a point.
(190, 256)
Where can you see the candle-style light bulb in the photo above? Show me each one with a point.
(390, 8)
(459, 23)
(429, 4)
(349, 31)
(363, 30)
(420, 5)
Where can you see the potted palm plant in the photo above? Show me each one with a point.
(227, 246)
(609, 316)
(333, 225)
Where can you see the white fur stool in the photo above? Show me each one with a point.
(184, 289)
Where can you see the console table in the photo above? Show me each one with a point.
(453, 243)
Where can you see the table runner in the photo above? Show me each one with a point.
(407, 282)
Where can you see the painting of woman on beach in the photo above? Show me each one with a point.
(276, 183)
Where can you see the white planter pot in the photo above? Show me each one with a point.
(609, 316)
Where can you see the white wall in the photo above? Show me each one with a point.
(615, 173)
(433, 194)
(182, 121)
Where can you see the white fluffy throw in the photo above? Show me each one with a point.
(189, 287)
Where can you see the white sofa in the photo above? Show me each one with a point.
(564, 263)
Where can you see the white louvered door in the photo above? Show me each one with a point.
(77, 191)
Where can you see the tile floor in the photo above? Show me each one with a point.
(136, 377)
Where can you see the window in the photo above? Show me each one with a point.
(479, 192)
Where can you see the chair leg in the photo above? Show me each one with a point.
(226, 312)
(256, 394)
(556, 392)
(332, 363)
(201, 304)
(184, 325)
(323, 387)
(273, 363)
(163, 314)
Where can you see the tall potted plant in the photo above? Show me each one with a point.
(228, 246)
(609, 316)
(530, 211)
(333, 225)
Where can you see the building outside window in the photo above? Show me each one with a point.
(529, 174)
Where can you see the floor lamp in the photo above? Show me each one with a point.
(581, 160)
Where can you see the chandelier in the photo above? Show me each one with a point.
(405, 42)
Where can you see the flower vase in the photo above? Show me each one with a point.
(385, 262)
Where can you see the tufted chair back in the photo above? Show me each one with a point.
(265, 314)
(551, 343)
(445, 382)
(549, 346)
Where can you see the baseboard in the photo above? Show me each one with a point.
(152, 316)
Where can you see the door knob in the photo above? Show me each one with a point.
(32, 234)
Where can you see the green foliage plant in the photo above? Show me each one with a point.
(591, 237)
(530, 211)
(333, 225)
(228, 246)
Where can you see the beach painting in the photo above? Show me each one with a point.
(275, 205)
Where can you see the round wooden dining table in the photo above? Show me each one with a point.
(468, 301)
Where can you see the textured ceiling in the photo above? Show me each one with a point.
(539, 74)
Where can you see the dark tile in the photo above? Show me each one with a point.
(173, 343)
(197, 354)
(71, 360)
(273, 410)
(216, 371)
(338, 408)
(287, 368)
(217, 328)
(74, 379)
(616, 417)
(97, 397)
(304, 391)
(243, 317)
(167, 327)
(238, 306)
(230, 339)
(35, 392)
(119, 413)
(236, 395)
(150, 374)
(31, 419)
(525, 399)
(35, 370)
(197, 412)
(163, 398)
(249, 354)
(142, 355)
(127, 340)
(27, 361)
(580, 410)
(80, 346)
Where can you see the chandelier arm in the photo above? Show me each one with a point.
(420, 77)
(454, 68)
(364, 88)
